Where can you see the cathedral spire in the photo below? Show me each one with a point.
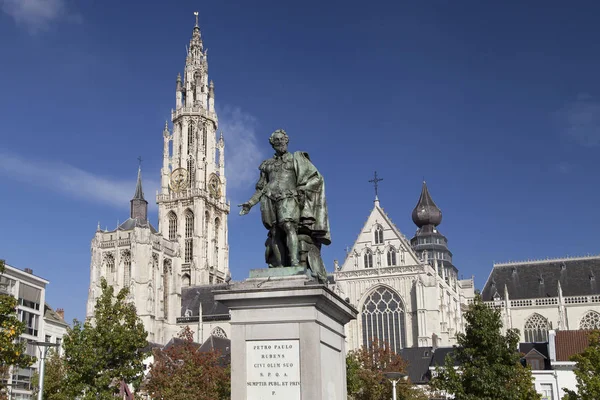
(139, 205)
(426, 212)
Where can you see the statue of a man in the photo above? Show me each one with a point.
(291, 193)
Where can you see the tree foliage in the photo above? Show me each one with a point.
(365, 377)
(54, 378)
(587, 371)
(12, 351)
(102, 352)
(181, 372)
(489, 363)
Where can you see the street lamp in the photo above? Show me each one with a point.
(394, 377)
(43, 351)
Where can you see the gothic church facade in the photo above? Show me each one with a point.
(189, 248)
(407, 291)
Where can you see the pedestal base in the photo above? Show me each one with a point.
(287, 339)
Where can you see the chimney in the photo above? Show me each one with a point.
(28, 270)
(61, 313)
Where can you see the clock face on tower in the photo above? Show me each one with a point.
(179, 179)
(214, 186)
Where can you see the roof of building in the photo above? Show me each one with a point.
(52, 315)
(439, 356)
(223, 345)
(193, 297)
(418, 359)
(178, 341)
(570, 343)
(535, 279)
(131, 223)
(426, 212)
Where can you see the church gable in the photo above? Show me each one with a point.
(379, 244)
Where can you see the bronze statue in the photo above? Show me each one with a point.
(291, 192)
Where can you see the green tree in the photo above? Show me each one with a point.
(181, 372)
(54, 378)
(102, 352)
(12, 351)
(489, 363)
(587, 371)
(365, 377)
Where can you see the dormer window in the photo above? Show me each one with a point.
(378, 235)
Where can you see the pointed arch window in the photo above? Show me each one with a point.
(190, 141)
(189, 233)
(368, 258)
(536, 329)
(172, 226)
(378, 235)
(126, 268)
(185, 280)
(391, 256)
(383, 319)
(109, 262)
(191, 167)
(591, 320)
(216, 239)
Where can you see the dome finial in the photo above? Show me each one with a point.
(426, 212)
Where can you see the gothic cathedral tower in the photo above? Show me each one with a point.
(192, 207)
(190, 248)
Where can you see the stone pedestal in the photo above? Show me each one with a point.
(287, 339)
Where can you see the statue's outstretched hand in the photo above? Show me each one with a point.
(245, 208)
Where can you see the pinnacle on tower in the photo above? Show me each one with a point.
(139, 205)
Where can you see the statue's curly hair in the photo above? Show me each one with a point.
(281, 132)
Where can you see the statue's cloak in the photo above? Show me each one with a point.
(313, 215)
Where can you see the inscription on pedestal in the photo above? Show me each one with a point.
(273, 369)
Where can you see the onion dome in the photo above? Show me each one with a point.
(426, 212)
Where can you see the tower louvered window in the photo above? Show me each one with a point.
(126, 268)
(536, 329)
(189, 232)
(172, 226)
(217, 226)
(190, 139)
(191, 167)
(383, 319)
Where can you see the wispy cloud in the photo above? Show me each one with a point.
(580, 120)
(38, 15)
(74, 182)
(242, 153)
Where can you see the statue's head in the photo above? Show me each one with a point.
(279, 140)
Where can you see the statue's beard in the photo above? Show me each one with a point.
(281, 148)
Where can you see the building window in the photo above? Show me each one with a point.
(29, 296)
(109, 262)
(192, 171)
(172, 226)
(547, 393)
(382, 319)
(591, 320)
(31, 322)
(378, 235)
(21, 378)
(7, 285)
(48, 339)
(391, 257)
(217, 226)
(189, 232)
(126, 268)
(190, 139)
(368, 259)
(59, 341)
(536, 329)
(219, 332)
(185, 280)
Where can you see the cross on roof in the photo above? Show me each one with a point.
(139, 161)
(375, 181)
(196, 14)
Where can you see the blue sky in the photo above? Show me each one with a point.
(496, 104)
